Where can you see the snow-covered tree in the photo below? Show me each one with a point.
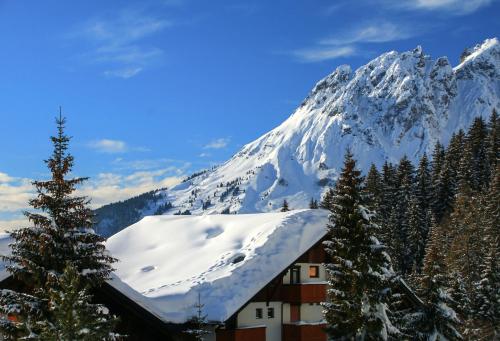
(438, 320)
(75, 318)
(360, 270)
(61, 232)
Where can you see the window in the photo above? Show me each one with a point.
(314, 271)
(258, 313)
(295, 275)
(270, 313)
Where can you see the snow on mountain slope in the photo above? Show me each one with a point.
(166, 261)
(399, 103)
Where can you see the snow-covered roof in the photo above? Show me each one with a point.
(5, 240)
(166, 261)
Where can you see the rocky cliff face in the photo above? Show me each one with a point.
(397, 104)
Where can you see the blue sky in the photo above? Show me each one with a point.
(154, 90)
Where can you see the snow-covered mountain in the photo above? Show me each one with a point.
(397, 104)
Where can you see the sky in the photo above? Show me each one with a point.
(154, 90)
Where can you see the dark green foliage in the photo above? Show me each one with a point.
(360, 270)
(75, 317)
(284, 207)
(326, 203)
(313, 204)
(61, 233)
(114, 217)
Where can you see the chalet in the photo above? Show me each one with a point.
(257, 276)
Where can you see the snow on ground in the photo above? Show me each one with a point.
(226, 259)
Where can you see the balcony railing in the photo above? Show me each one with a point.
(304, 293)
(304, 332)
(242, 334)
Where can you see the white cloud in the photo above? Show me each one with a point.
(117, 41)
(5, 178)
(370, 33)
(319, 54)
(218, 143)
(457, 7)
(205, 155)
(123, 73)
(349, 42)
(109, 146)
(103, 189)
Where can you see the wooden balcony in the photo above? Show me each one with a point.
(242, 334)
(304, 332)
(303, 293)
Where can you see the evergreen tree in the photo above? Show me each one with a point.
(438, 321)
(421, 215)
(198, 322)
(437, 165)
(386, 214)
(326, 203)
(285, 208)
(373, 188)
(479, 164)
(313, 204)
(493, 144)
(489, 285)
(61, 232)
(360, 271)
(75, 317)
(400, 221)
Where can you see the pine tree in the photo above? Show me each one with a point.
(61, 232)
(313, 204)
(438, 321)
(386, 214)
(437, 165)
(373, 188)
(285, 208)
(477, 139)
(400, 220)
(489, 285)
(198, 322)
(326, 203)
(421, 214)
(75, 317)
(360, 271)
(493, 144)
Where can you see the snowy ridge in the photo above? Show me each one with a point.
(166, 261)
(399, 103)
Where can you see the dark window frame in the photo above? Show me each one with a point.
(316, 267)
(270, 312)
(259, 314)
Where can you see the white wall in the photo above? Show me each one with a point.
(311, 313)
(304, 273)
(246, 318)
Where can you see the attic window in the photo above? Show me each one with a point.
(258, 313)
(270, 313)
(314, 271)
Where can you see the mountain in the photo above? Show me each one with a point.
(397, 104)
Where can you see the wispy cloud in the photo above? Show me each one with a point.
(118, 41)
(218, 143)
(109, 146)
(114, 146)
(318, 54)
(349, 42)
(456, 7)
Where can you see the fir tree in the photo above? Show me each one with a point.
(493, 144)
(326, 203)
(438, 321)
(75, 317)
(313, 204)
(198, 322)
(386, 213)
(360, 271)
(489, 285)
(437, 165)
(373, 188)
(61, 232)
(284, 207)
(477, 139)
